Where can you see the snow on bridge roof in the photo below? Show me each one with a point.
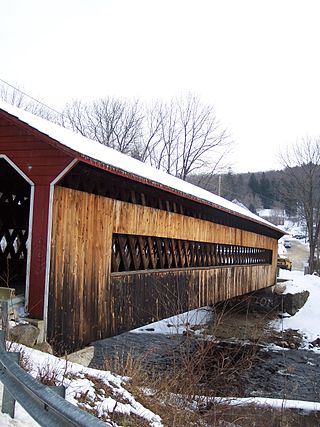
(93, 150)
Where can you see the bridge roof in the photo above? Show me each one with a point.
(107, 158)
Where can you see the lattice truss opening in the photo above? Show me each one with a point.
(13, 236)
(132, 253)
(14, 222)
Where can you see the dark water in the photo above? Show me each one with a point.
(155, 349)
(290, 374)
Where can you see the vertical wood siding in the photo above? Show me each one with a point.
(152, 296)
(87, 302)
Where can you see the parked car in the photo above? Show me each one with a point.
(300, 236)
(284, 263)
(287, 244)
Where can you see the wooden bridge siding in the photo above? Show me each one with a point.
(79, 273)
(140, 220)
(150, 296)
(87, 303)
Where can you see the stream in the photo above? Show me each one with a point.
(290, 374)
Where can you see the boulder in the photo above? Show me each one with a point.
(279, 288)
(291, 303)
(83, 357)
(24, 334)
(44, 346)
(316, 342)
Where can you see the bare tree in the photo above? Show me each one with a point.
(15, 96)
(301, 183)
(152, 134)
(11, 95)
(179, 137)
(186, 137)
(163, 139)
(112, 122)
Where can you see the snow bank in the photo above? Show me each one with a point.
(307, 318)
(180, 323)
(100, 391)
(274, 403)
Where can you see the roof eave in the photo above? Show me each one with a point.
(137, 178)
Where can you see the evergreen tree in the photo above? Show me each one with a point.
(228, 186)
(254, 184)
(265, 192)
(252, 208)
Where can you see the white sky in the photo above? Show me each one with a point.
(256, 61)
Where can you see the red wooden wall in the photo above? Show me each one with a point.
(41, 162)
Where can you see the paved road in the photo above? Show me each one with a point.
(298, 253)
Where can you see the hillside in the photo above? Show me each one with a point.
(260, 190)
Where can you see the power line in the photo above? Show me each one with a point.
(31, 97)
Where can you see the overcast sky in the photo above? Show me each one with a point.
(256, 61)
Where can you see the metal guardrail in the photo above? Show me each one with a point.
(42, 402)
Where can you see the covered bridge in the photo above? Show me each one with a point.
(100, 243)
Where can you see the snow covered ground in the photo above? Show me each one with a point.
(22, 418)
(101, 391)
(179, 324)
(81, 380)
(307, 320)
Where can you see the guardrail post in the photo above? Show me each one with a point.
(5, 316)
(8, 402)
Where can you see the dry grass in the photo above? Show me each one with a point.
(257, 416)
(172, 393)
(127, 365)
(48, 376)
(128, 420)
